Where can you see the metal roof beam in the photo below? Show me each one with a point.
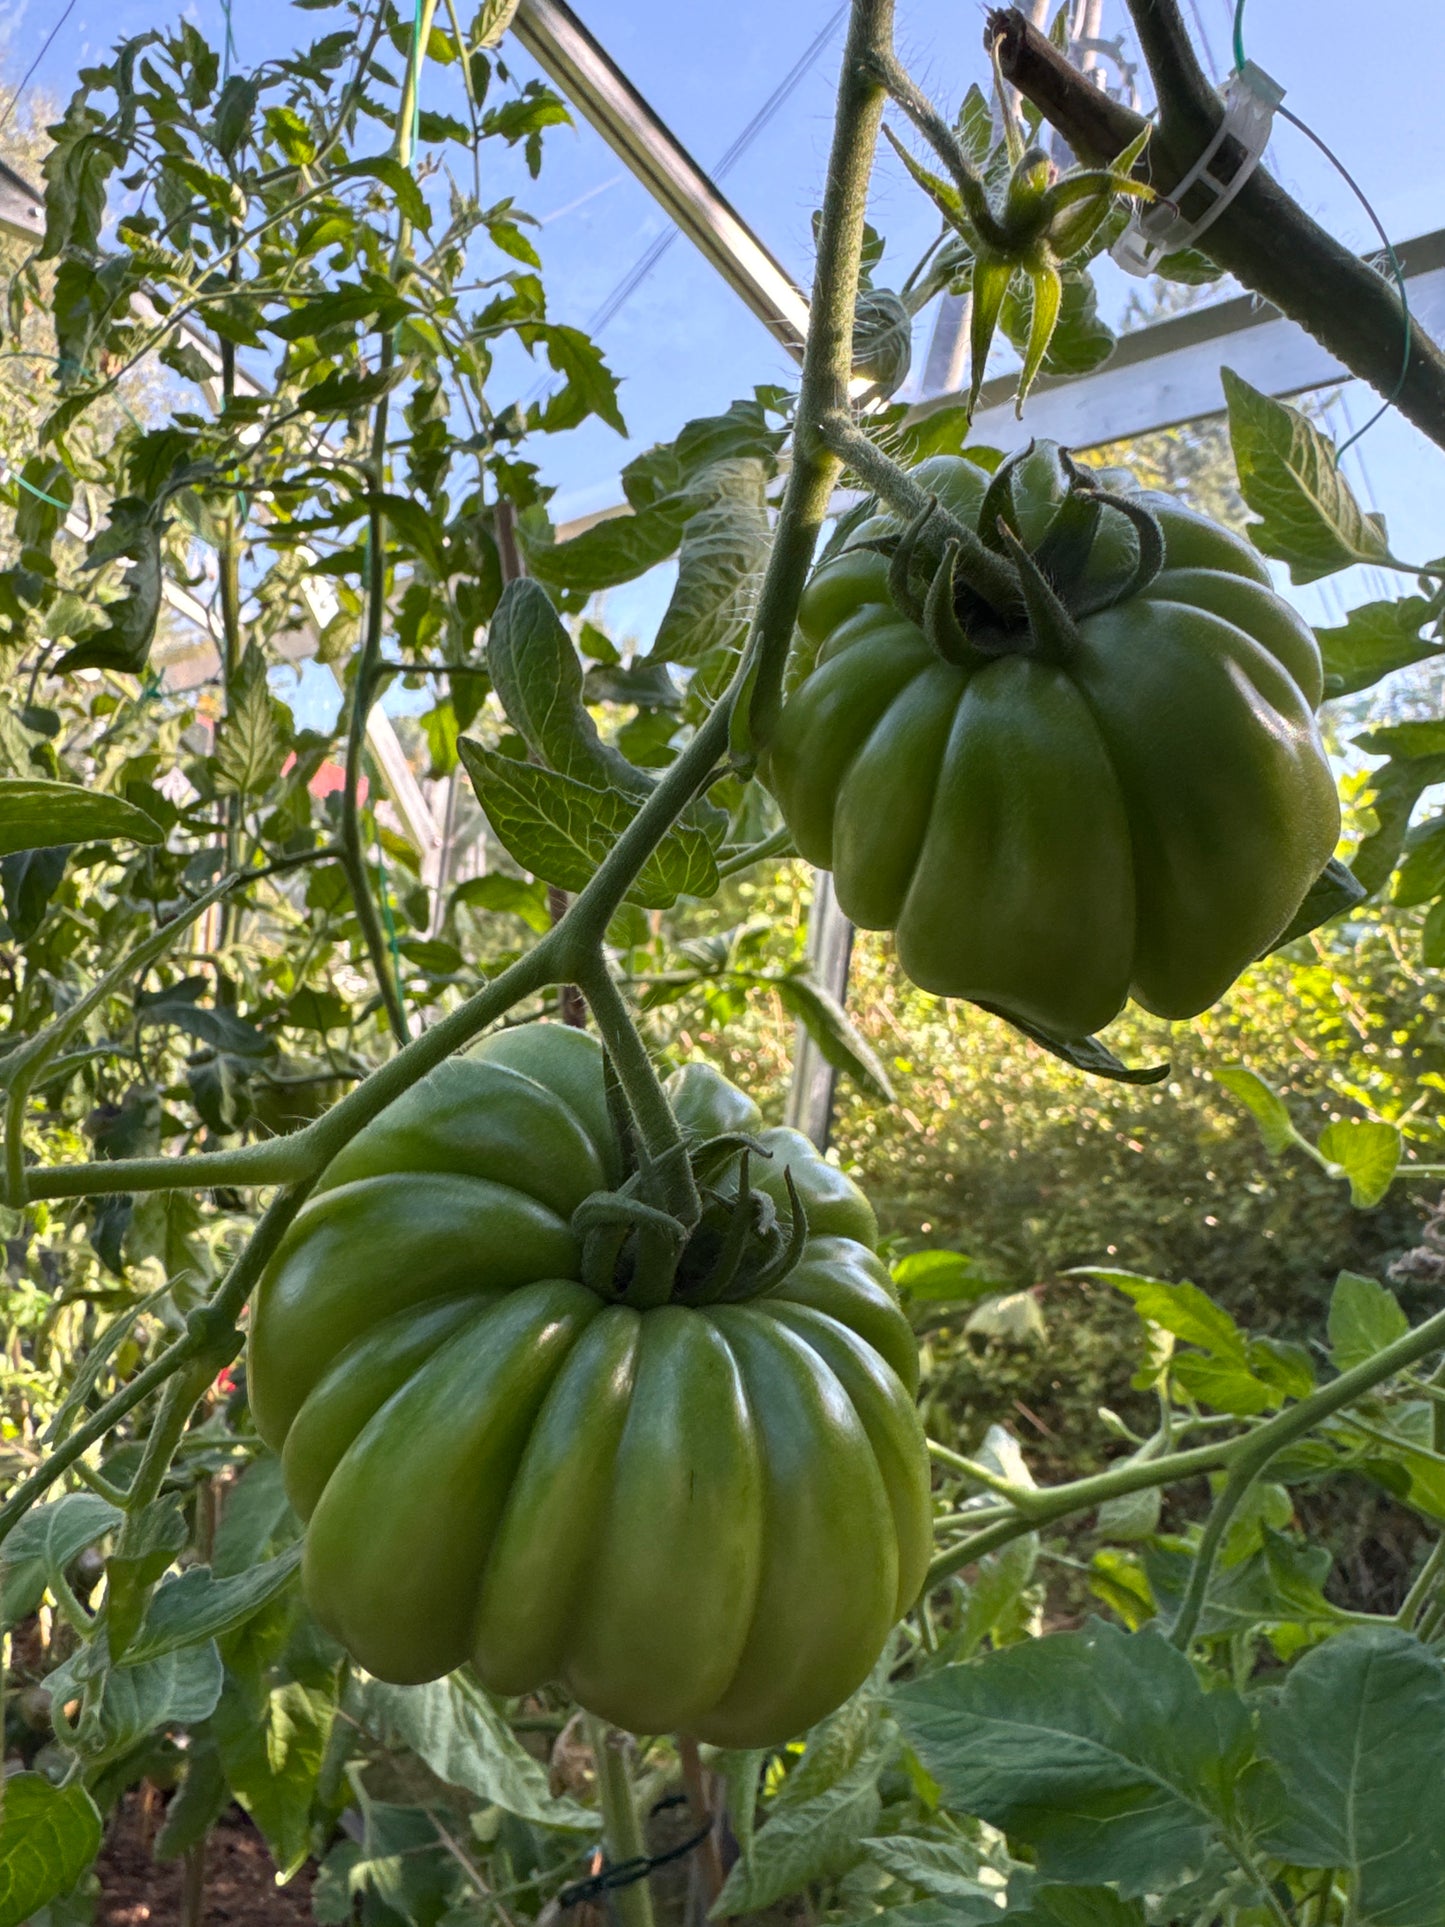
(587, 74)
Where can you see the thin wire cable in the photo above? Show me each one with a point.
(228, 45)
(646, 262)
(643, 267)
(1359, 193)
(1200, 29)
(45, 47)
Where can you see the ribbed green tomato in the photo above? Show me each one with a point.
(703, 1517)
(1052, 826)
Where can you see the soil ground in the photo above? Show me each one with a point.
(139, 1891)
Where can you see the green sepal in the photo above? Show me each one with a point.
(1084, 1053)
(991, 277)
(1334, 891)
(1048, 297)
(1051, 627)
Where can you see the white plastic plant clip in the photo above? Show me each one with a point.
(1250, 98)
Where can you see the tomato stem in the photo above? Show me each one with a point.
(621, 1823)
(658, 1132)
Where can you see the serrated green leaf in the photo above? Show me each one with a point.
(1365, 1317)
(1287, 475)
(257, 1521)
(616, 550)
(1184, 1310)
(196, 1606)
(1374, 640)
(1415, 764)
(272, 1756)
(817, 1839)
(1265, 1106)
(834, 1747)
(253, 735)
(946, 1277)
(493, 17)
(123, 639)
(1367, 1153)
(833, 1031)
(146, 1544)
(399, 180)
(941, 1868)
(453, 1726)
(996, 1598)
(45, 1541)
(720, 563)
(198, 1802)
(1334, 891)
(561, 830)
(1356, 1737)
(1421, 877)
(1048, 1906)
(944, 1869)
(39, 815)
(49, 1835)
(1089, 1054)
(174, 1689)
(1099, 1749)
(538, 678)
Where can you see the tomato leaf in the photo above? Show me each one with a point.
(1355, 1735)
(1099, 1749)
(1089, 1054)
(453, 1727)
(1365, 1317)
(1265, 1106)
(1367, 1153)
(538, 678)
(1334, 891)
(1374, 640)
(724, 550)
(616, 550)
(816, 1839)
(1309, 517)
(46, 1540)
(48, 1837)
(561, 829)
(837, 1037)
(196, 1606)
(36, 814)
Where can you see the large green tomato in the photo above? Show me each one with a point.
(702, 1517)
(1128, 798)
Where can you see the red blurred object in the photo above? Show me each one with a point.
(328, 779)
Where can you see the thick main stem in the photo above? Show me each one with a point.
(363, 690)
(827, 358)
(621, 1824)
(364, 682)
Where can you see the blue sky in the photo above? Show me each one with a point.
(683, 345)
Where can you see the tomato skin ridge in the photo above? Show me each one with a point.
(497, 1464)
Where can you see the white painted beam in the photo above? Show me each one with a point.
(1168, 373)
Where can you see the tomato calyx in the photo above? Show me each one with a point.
(634, 1253)
(978, 596)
